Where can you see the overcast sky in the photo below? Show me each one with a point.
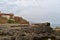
(33, 10)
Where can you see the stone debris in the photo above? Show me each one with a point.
(38, 32)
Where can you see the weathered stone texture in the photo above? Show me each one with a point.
(41, 31)
(37, 33)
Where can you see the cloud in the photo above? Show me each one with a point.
(33, 10)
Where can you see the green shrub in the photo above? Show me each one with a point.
(11, 21)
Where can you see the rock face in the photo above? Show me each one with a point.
(21, 20)
(39, 32)
(11, 18)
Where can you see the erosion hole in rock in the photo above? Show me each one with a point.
(36, 38)
(48, 24)
(13, 38)
(23, 34)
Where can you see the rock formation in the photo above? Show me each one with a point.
(39, 32)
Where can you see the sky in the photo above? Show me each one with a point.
(35, 11)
